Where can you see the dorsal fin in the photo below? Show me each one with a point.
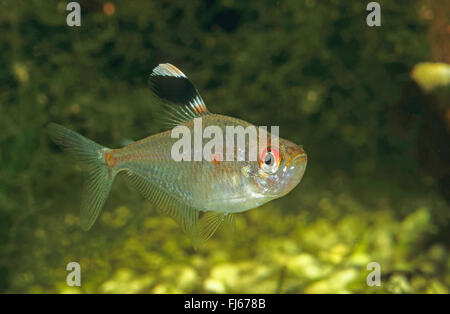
(177, 91)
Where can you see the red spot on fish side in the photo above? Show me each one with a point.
(216, 159)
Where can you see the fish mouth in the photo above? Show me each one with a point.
(300, 158)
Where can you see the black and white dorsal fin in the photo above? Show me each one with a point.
(172, 86)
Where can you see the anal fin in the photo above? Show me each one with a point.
(184, 215)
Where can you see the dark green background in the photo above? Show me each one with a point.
(376, 187)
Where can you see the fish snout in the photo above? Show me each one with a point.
(296, 154)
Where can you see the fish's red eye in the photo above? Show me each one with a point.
(270, 159)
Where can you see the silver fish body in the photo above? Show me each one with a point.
(213, 188)
(219, 186)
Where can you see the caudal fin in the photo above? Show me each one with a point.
(99, 176)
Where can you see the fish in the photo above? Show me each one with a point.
(200, 195)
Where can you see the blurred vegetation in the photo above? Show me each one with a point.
(377, 183)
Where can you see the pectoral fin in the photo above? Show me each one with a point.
(210, 222)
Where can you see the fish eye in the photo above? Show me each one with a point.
(270, 160)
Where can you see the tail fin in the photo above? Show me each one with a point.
(99, 176)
